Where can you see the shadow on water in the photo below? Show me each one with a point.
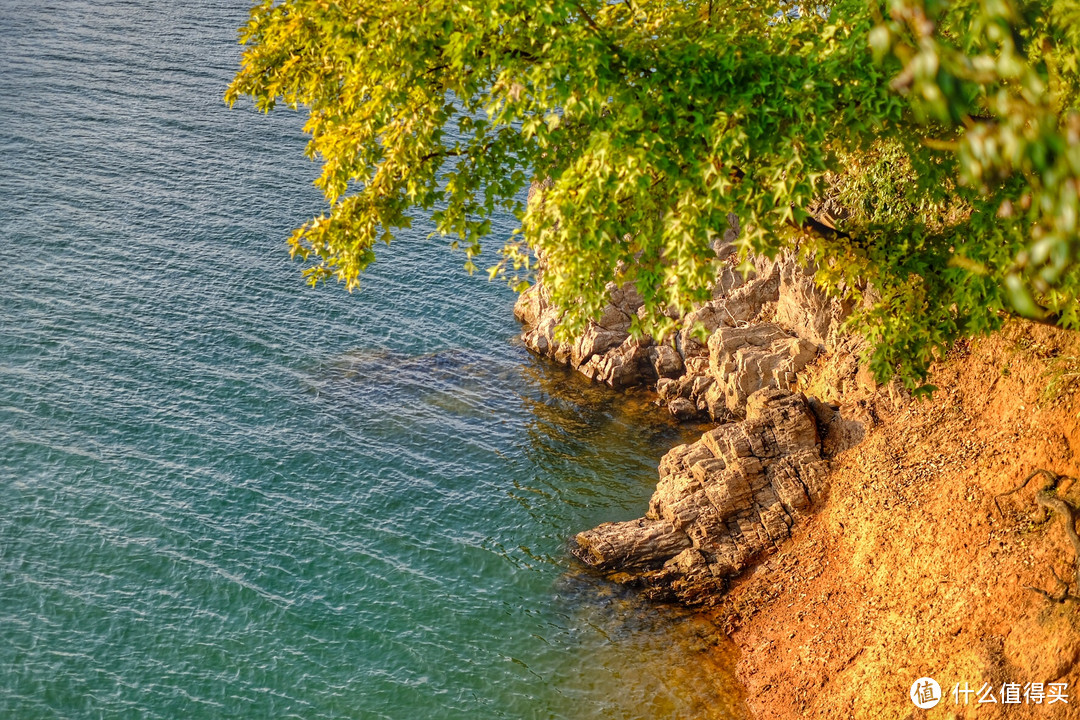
(592, 447)
(566, 404)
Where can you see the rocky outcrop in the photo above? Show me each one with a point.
(805, 310)
(727, 499)
(747, 359)
(721, 502)
(757, 332)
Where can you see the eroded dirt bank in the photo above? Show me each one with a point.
(908, 569)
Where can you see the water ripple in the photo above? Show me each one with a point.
(225, 494)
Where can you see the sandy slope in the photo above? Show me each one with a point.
(909, 570)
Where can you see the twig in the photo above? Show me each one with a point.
(601, 35)
(1050, 502)
(1062, 586)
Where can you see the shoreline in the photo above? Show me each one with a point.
(829, 620)
(730, 498)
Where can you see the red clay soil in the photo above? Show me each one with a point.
(909, 570)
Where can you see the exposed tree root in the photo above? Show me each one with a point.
(1062, 589)
(1049, 476)
(1050, 502)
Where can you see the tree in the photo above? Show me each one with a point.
(923, 155)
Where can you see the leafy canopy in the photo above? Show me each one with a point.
(941, 139)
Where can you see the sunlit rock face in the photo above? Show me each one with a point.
(757, 332)
(721, 503)
(734, 495)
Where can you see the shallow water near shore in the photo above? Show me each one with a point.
(226, 494)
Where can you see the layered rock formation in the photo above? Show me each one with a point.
(726, 500)
(757, 332)
(721, 502)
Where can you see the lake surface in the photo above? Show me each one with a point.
(226, 494)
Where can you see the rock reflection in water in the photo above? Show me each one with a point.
(643, 660)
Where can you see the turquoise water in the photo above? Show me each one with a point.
(225, 494)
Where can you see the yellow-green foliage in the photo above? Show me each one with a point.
(654, 120)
